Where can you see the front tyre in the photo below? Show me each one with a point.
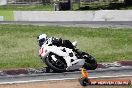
(58, 66)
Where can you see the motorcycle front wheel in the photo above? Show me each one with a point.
(57, 66)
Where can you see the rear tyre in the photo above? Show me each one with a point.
(90, 62)
(57, 66)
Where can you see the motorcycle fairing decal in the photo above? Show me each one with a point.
(41, 51)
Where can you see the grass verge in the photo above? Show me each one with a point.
(19, 48)
(27, 7)
(8, 15)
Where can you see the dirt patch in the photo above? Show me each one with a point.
(60, 84)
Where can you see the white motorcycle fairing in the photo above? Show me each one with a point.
(68, 55)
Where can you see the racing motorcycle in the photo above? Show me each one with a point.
(61, 59)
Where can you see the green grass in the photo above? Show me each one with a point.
(8, 15)
(27, 8)
(19, 48)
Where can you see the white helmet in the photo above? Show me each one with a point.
(42, 39)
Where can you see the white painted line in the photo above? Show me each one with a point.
(30, 81)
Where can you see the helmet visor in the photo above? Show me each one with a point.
(41, 42)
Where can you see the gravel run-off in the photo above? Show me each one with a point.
(63, 84)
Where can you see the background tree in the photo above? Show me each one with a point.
(128, 2)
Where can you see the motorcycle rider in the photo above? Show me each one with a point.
(55, 41)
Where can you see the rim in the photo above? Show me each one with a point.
(60, 64)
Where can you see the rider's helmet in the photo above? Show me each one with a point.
(42, 39)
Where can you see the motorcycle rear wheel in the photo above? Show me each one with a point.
(90, 62)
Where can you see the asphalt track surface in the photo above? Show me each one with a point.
(98, 73)
(95, 24)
